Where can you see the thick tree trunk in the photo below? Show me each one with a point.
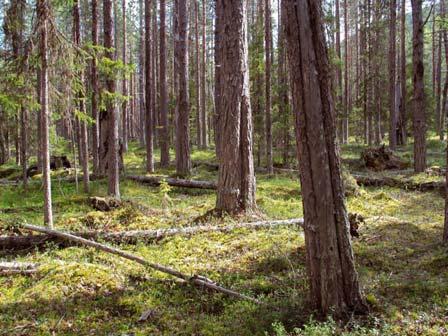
(330, 262)
(236, 181)
(392, 67)
(183, 161)
(164, 135)
(148, 92)
(42, 10)
(419, 113)
(217, 91)
(109, 117)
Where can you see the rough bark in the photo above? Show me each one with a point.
(183, 162)
(42, 10)
(333, 279)
(236, 181)
(198, 77)
(108, 117)
(418, 113)
(163, 104)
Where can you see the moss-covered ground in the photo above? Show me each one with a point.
(402, 264)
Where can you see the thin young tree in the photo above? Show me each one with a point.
(124, 106)
(164, 135)
(268, 56)
(419, 113)
(43, 23)
(95, 91)
(148, 107)
(83, 141)
(204, 121)
(402, 136)
(392, 67)
(183, 161)
(236, 180)
(330, 262)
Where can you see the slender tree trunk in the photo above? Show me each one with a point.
(402, 136)
(419, 117)
(124, 106)
(330, 262)
(268, 53)
(347, 109)
(183, 162)
(95, 92)
(236, 180)
(109, 117)
(198, 77)
(204, 122)
(339, 71)
(438, 92)
(444, 106)
(42, 10)
(217, 91)
(164, 135)
(392, 66)
(148, 73)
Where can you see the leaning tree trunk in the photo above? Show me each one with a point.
(330, 262)
(236, 181)
(419, 117)
(183, 161)
(42, 10)
(109, 118)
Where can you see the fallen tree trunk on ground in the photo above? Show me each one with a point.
(132, 237)
(196, 280)
(214, 166)
(155, 181)
(369, 181)
(12, 268)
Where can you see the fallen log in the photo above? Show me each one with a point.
(156, 180)
(215, 166)
(132, 237)
(369, 181)
(14, 268)
(196, 280)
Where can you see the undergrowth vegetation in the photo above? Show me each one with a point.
(402, 264)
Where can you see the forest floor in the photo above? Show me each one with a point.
(402, 264)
